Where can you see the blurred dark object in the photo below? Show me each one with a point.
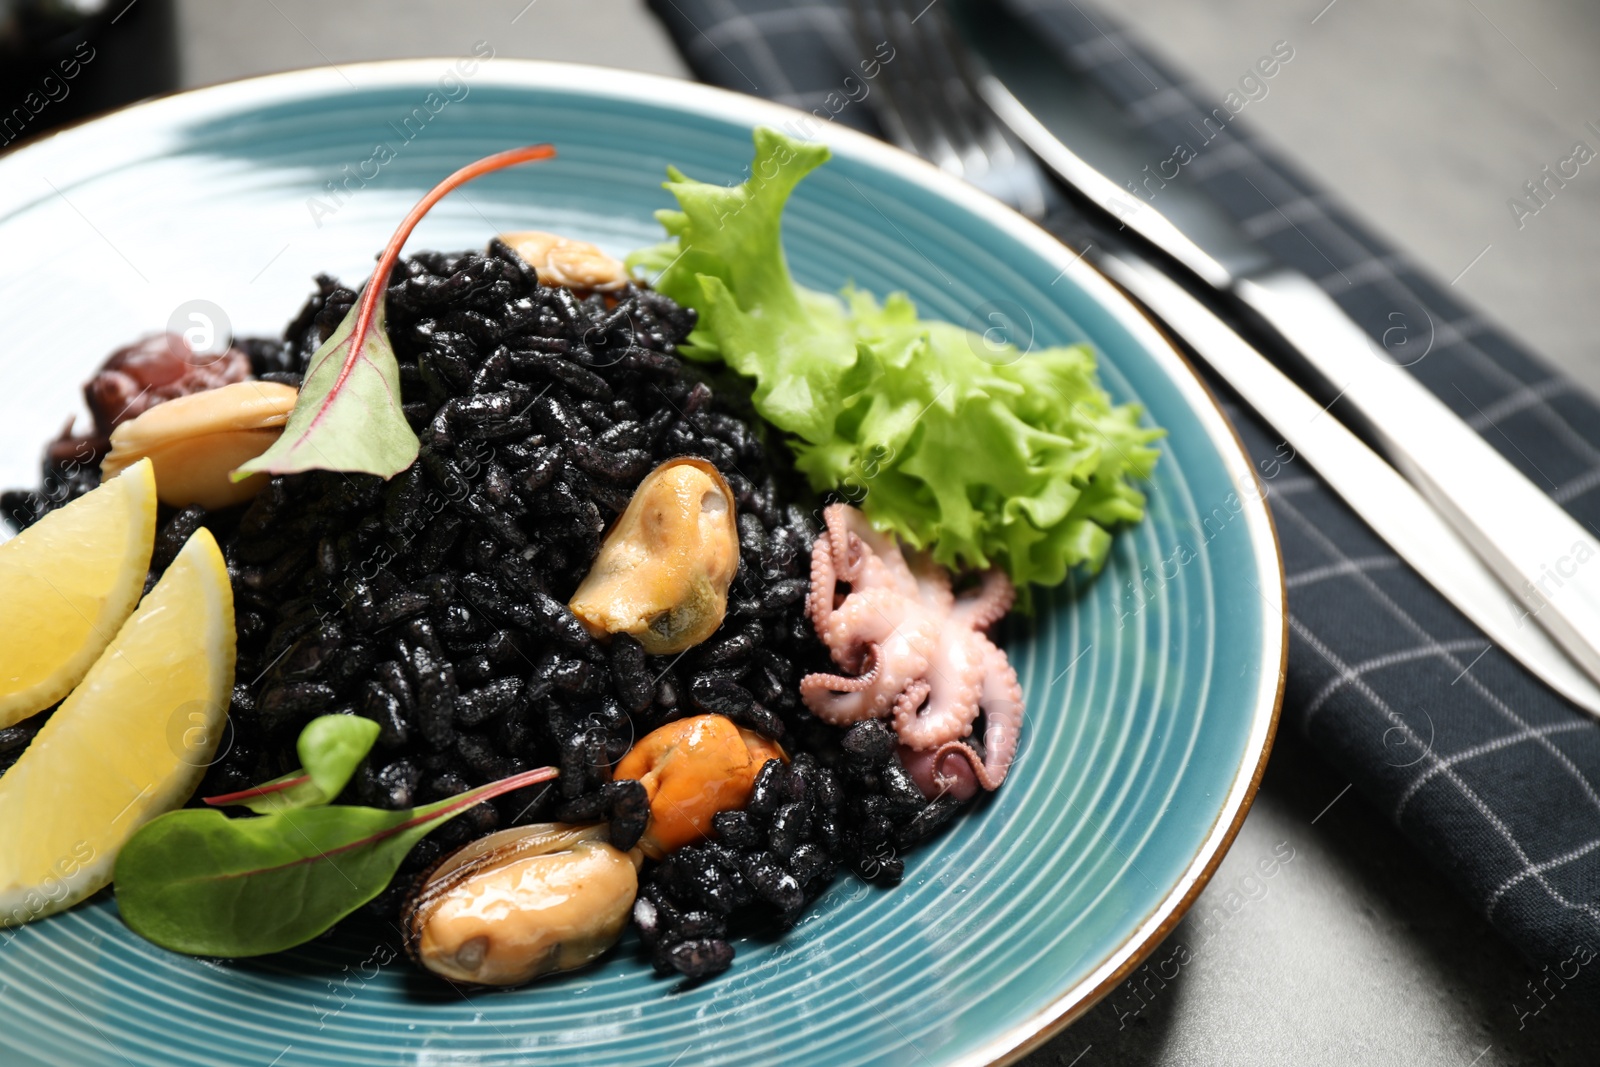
(61, 60)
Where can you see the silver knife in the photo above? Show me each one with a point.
(1524, 537)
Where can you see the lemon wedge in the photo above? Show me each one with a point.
(66, 583)
(130, 742)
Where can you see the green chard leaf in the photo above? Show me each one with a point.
(198, 882)
(331, 747)
(979, 452)
(348, 416)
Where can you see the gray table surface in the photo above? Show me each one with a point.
(1426, 116)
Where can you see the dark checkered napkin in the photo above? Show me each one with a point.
(1495, 779)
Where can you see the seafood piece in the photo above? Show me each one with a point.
(196, 442)
(915, 653)
(563, 261)
(691, 769)
(521, 903)
(663, 572)
(137, 377)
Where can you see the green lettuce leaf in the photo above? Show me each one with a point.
(999, 458)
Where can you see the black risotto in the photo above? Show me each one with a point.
(435, 603)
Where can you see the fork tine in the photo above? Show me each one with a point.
(1009, 170)
(946, 86)
(927, 77)
(901, 91)
(930, 104)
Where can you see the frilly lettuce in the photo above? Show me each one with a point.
(1023, 461)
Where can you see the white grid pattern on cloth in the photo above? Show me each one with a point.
(1520, 400)
(1369, 270)
(749, 27)
(1531, 869)
(1353, 677)
(1540, 868)
(1448, 333)
(1471, 324)
(736, 27)
(752, 31)
(1312, 208)
(1483, 749)
(1233, 155)
(1572, 489)
(1161, 104)
(1344, 566)
(1107, 48)
(1358, 671)
(757, 49)
(1444, 651)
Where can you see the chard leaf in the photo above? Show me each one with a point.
(331, 747)
(198, 882)
(348, 416)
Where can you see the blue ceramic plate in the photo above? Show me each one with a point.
(1151, 690)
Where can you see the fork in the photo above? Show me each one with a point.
(929, 105)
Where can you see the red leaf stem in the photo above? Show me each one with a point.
(455, 804)
(224, 799)
(391, 252)
(478, 796)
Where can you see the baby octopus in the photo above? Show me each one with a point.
(913, 652)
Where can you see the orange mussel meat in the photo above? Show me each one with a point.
(691, 769)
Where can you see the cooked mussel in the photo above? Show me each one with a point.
(521, 903)
(663, 572)
(691, 769)
(197, 441)
(564, 261)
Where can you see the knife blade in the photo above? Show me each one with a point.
(1535, 548)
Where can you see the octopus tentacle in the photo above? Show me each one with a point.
(896, 662)
(839, 683)
(829, 696)
(936, 779)
(872, 616)
(980, 773)
(954, 684)
(824, 583)
(907, 702)
(989, 603)
(1002, 709)
(863, 556)
(837, 537)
